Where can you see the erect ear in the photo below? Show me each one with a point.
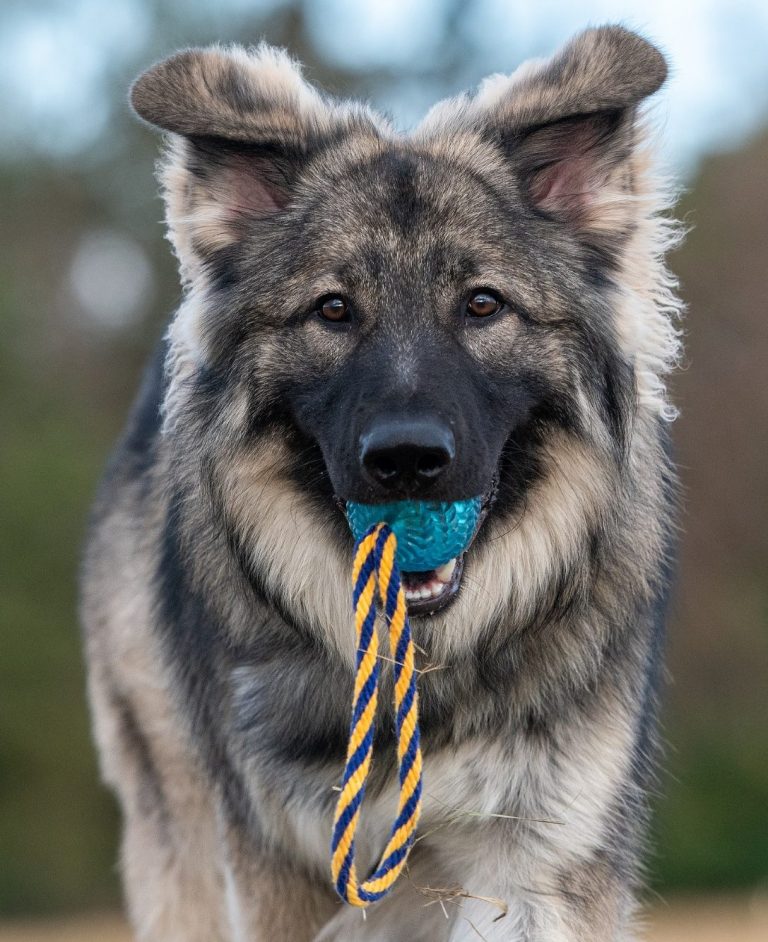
(243, 126)
(569, 124)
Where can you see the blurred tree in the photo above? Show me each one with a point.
(713, 829)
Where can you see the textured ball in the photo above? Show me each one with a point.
(429, 533)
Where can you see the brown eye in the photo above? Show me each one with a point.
(333, 308)
(483, 303)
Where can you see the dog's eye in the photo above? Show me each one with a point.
(333, 308)
(483, 303)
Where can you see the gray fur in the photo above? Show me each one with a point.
(216, 602)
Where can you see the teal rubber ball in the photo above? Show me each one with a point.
(429, 533)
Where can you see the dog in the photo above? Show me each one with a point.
(480, 307)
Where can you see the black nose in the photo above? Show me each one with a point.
(406, 454)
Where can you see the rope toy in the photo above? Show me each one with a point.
(375, 575)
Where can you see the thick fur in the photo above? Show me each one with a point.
(216, 585)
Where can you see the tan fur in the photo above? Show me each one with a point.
(523, 787)
(170, 859)
(512, 566)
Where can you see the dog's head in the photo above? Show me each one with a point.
(418, 316)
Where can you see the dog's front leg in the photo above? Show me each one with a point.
(170, 863)
(268, 900)
(586, 903)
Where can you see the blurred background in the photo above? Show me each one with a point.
(87, 281)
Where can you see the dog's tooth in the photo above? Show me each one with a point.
(445, 572)
(429, 590)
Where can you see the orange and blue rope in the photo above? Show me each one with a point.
(376, 578)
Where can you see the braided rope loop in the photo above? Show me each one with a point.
(376, 578)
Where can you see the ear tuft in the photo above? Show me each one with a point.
(233, 94)
(607, 68)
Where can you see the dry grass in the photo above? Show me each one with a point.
(695, 920)
(92, 929)
(710, 920)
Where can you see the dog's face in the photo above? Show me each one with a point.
(414, 316)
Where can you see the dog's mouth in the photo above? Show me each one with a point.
(428, 593)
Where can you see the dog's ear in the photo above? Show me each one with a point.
(243, 125)
(568, 125)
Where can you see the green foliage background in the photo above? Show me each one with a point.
(65, 386)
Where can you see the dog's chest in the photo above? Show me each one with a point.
(461, 787)
(543, 788)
